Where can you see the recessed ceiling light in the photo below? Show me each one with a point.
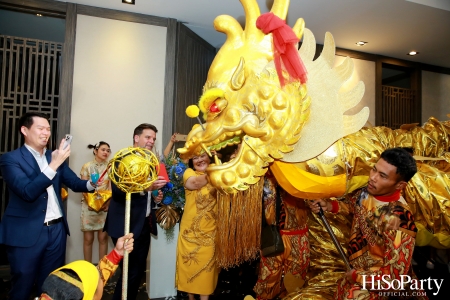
(128, 1)
(39, 15)
(360, 43)
(412, 53)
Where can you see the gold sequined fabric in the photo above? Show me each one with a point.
(426, 194)
(94, 218)
(106, 269)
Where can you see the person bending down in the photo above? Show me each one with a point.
(81, 279)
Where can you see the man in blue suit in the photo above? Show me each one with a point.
(34, 226)
(142, 218)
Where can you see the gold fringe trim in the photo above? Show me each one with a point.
(106, 269)
(75, 282)
(238, 237)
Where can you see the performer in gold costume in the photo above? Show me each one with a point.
(293, 262)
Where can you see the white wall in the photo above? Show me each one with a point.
(364, 71)
(435, 95)
(118, 84)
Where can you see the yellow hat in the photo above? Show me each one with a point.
(88, 274)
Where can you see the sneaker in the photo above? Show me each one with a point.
(430, 265)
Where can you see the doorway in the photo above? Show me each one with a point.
(400, 100)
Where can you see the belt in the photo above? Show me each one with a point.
(294, 232)
(53, 222)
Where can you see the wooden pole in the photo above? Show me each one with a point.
(125, 254)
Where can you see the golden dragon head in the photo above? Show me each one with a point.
(244, 103)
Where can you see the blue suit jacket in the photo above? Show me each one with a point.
(115, 219)
(24, 216)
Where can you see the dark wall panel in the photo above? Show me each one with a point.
(194, 57)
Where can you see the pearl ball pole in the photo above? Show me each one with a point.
(132, 170)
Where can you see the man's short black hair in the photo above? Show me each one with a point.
(138, 130)
(27, 119)
(400, 158)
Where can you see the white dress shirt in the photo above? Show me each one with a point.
(53, 210)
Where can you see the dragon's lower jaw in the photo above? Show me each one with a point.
(240, 172)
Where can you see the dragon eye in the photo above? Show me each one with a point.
(208, 99)
(214, 108)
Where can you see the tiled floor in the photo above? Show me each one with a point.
(111, 285)
(227, 287)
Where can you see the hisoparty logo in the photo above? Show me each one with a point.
(405, 286)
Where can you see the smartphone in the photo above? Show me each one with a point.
(181, 137)
(67, 141)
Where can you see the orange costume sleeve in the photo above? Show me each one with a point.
(107, 266)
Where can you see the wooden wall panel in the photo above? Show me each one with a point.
(398, 106)
(67, 72)
(383, 116)
(194, 57)
(169, 82)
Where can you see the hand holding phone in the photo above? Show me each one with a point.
(67, 141)
(181, 137)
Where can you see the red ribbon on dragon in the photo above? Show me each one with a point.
(285, 50)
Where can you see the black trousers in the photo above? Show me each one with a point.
(137, 263)
(31, 265)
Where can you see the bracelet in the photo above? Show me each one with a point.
(334, 207)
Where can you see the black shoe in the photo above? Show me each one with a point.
(182, 295)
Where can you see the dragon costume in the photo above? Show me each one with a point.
(295, 124)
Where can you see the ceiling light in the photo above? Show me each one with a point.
(360, 43)
(128, 1)
(412, 53)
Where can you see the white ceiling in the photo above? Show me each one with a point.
(391, 27)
